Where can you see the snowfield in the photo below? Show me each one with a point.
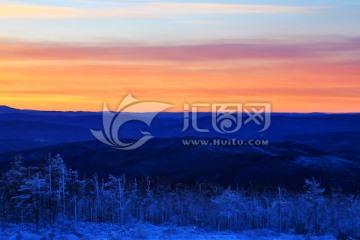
(74, 231)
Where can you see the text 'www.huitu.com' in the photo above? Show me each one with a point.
(224, 142)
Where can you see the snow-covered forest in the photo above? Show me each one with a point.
(53, 194)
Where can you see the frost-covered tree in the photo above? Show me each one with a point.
(13, 179)
(314, 195)
(52, 194)
(226, 205)
(32, 194)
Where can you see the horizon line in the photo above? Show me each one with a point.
(170, 112)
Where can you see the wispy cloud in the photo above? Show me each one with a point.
(215, 8)
(32, 11)
(147, 10)
(198, 22)
(177, 53)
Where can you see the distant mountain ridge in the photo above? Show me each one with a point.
(300, 145)
(36, 128)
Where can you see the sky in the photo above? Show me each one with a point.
(300, 56)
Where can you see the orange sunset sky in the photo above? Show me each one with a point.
(76, 55)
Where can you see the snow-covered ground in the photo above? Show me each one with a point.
(92, 231)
